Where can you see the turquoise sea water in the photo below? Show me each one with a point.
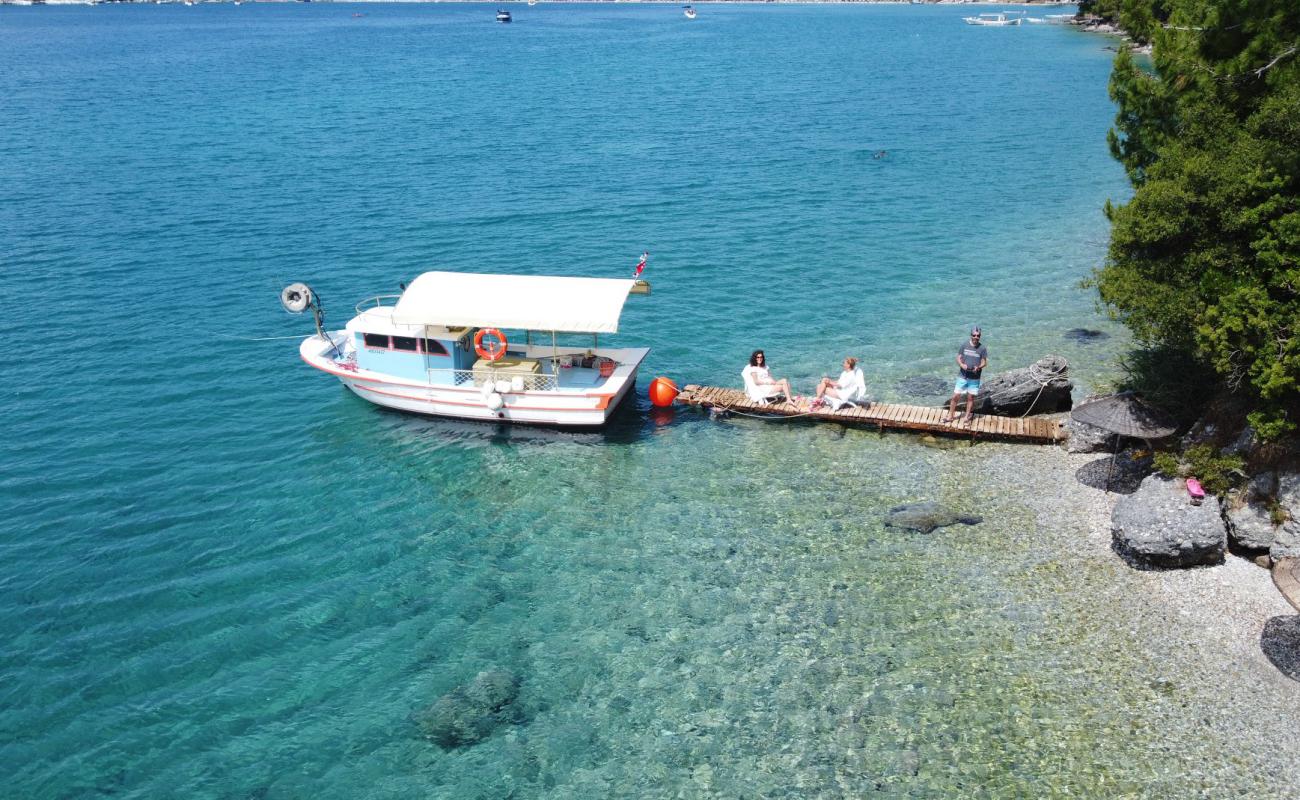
(221, 575)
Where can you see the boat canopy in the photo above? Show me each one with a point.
(528, 302)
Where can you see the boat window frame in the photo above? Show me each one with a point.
(365, 340)
(414, 340)
(441, 352)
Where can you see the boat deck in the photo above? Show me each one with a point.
(885, 416)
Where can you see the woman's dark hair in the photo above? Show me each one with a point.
(753, 358)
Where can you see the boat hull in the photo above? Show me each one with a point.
(570, 409)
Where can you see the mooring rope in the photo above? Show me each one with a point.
(262, 338)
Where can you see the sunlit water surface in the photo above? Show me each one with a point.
(223, 576)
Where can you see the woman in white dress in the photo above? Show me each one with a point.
(850, 387)
(759, 384)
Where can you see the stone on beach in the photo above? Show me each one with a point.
(1020, 391)
(1158, 526)
(1085, 438)
(926, 516)
(1286, 540)
(470, 713)
(1248, 513)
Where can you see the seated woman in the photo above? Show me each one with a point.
(850, 387)
(759, 384)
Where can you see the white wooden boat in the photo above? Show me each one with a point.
(483, 347)
(999, 19)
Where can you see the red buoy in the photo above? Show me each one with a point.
(662, 392)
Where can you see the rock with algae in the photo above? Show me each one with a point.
(926, 516)
(469, 713)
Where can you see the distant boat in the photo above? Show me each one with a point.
(532, 2)
(998, 20)
(689, 12)
(503, 15)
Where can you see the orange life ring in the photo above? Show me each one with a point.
(497, 347)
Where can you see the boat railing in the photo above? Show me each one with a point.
(377, 301)
(466, 377)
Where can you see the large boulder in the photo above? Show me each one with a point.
(1286, 542)
(469, 713)
(1040, 389)
(926, 516)
(1158, 526)
(1249, 515)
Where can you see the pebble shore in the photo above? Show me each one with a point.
(1203, 636)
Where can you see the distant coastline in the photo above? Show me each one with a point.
(1025, 3)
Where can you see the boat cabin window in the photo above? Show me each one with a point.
(406, 343)
(376, 340)
(434, 347)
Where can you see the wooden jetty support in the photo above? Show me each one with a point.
(885, 415)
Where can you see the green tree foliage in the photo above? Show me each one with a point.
(1205, 258)
(1139, 18)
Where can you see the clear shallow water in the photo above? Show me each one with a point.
(222, 576)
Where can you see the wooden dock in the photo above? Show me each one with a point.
(885, 416)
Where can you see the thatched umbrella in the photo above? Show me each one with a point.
(1124, 415)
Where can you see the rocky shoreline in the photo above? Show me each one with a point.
(1220, 643)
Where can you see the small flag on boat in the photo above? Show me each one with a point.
(640, 265)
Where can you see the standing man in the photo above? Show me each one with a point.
(972, 358)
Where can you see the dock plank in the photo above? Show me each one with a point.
(885, 415)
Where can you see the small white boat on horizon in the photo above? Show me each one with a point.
(999, 19)
(689, 12)
(482, 347)
(503, 15)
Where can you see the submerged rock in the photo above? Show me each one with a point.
(469, 713)
(1158, 526)
(926, 516)
(1086, 335)
(925, 386)
(1020, 390)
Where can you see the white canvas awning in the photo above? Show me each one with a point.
(575, 305)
